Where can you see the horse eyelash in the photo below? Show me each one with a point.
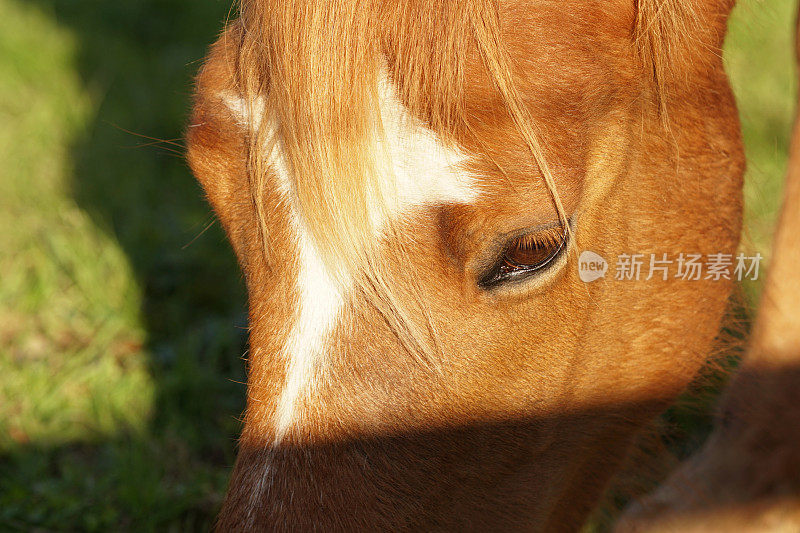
(552, 237)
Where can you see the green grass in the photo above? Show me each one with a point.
(121, 330)
(760, 60)
(121, 341)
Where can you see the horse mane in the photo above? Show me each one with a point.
(313, 70)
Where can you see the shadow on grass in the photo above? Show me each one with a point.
(138, 59)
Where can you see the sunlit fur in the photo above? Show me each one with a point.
(436, 403)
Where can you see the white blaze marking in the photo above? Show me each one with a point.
(319, 300)
(417, 169)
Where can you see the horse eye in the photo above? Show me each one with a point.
(525, 255)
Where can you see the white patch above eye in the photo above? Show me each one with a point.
(416, 167)
(424, 170)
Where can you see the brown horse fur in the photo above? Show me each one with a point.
(436, 403)
(747, 477)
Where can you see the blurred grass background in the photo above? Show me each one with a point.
(122, 312)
